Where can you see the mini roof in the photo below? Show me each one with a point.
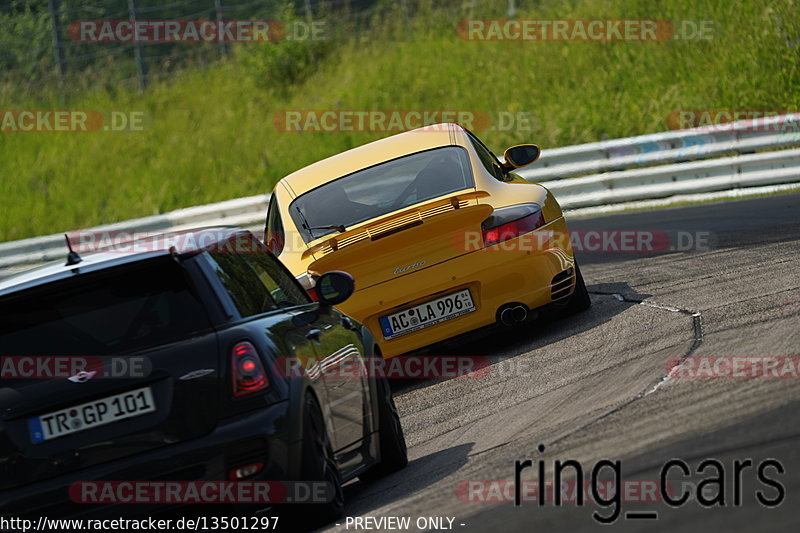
(114, 248)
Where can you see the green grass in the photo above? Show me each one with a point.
(210, 136)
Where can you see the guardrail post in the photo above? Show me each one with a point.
(223, 46)
(141, 69)
(310, 21)
(57, 50)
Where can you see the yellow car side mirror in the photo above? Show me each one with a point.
(520, 156)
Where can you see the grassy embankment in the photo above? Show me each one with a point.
(210, 133)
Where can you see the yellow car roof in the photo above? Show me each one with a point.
(371, 154)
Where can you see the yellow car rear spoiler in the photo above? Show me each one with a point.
(393, 223)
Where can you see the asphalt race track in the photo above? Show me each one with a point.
(593, 387)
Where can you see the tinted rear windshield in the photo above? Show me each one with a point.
(379, 190)
(109, 312)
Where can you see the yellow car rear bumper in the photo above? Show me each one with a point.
(514, 271)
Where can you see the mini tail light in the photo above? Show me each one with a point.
(510, 222)
(247, 370)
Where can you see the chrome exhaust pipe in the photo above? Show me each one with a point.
(512, 314)
(507, 317)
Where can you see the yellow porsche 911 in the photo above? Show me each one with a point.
(441, 237)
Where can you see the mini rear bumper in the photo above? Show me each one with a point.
(256, 436)
(520, 270)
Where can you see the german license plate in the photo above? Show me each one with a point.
(91, 415)
(427, 314)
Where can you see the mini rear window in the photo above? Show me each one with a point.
(116, 310)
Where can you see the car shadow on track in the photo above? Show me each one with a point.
(495, 344)
(361, 498)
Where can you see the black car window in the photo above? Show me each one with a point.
(380, 190)
(284, 290)
(248, 293)
(115, 310)
(275, 237)
(488, 159)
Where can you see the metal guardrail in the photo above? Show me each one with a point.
(239, 212)
(766, 168)
(742, 137)
(636, 168)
